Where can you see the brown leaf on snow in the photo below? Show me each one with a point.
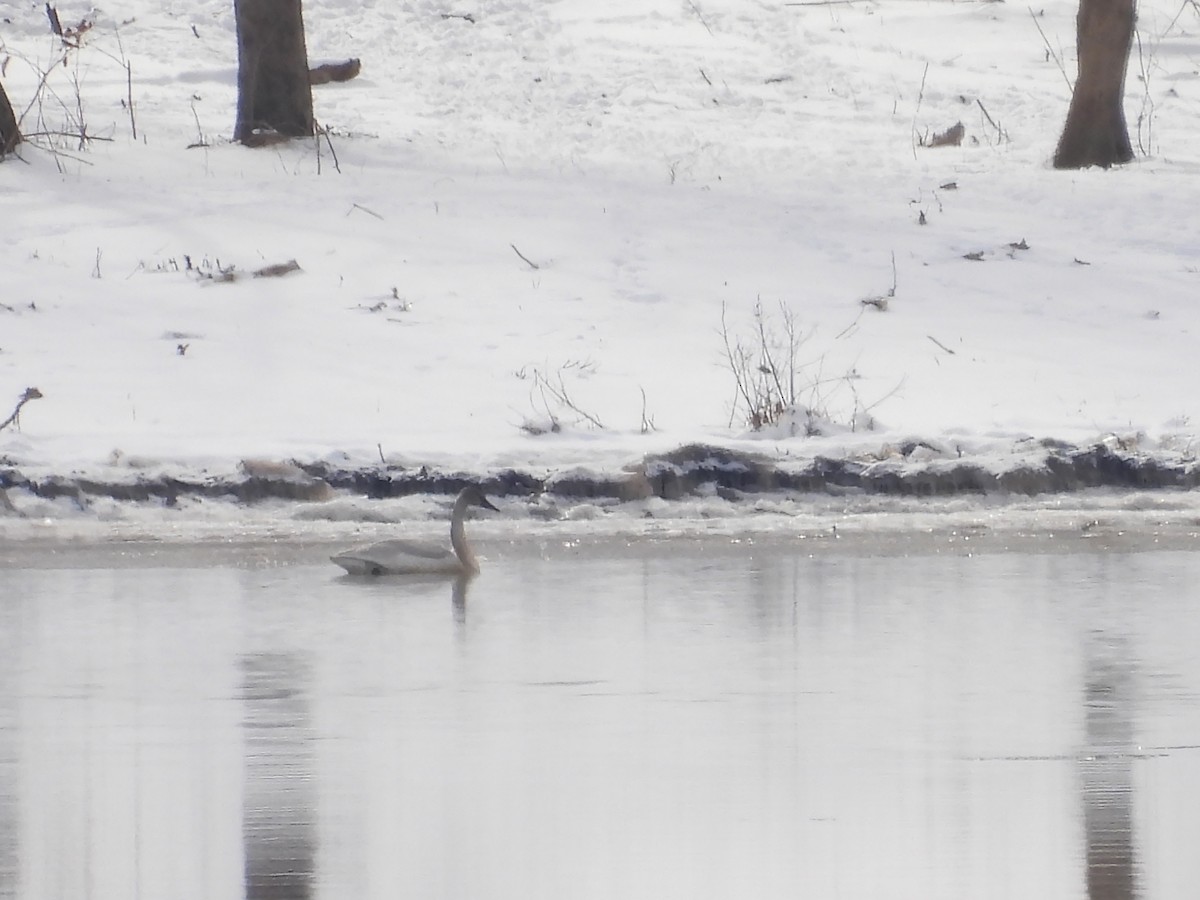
(951, 137)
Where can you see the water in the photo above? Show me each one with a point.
(698, 720)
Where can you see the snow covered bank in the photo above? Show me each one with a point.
(571, 196)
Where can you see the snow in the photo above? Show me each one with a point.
(573, 195)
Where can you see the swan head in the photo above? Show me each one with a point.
(472, 495)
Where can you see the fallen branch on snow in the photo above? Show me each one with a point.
(30, 394)
(327, 72)
(278, 270)
(525, 259)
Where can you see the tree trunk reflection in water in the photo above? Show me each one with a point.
(1106, 771)
(9, 792)
(279, 813)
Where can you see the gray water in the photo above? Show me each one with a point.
(695, 721)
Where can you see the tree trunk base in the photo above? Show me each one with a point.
(10, 133)
(1094, 139)
(1096, 133)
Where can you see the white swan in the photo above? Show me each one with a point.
(399, 557)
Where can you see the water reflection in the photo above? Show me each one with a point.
(9, 689)
(458, 597)
(1106, 771)
(693, 724)
(457, 585)
(279, 802)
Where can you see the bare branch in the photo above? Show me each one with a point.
(917, 111)
(31, 393)
(647, 421)
(736, 357)
(1050, 51)
(700, 16)
(560, 394)
(555, 397)
(999, 131)
(940, 344)
(524, 258)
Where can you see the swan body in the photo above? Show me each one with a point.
(400, 557)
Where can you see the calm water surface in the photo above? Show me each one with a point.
(690, 723)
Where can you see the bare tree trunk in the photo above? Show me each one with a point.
(1096, 133)
(10, 134)
(274, 96)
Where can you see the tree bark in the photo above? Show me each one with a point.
(10, 134)
(1095, 133)
(274, 96)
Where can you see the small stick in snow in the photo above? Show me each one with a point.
(369, 212)
(329, 142)
(201, 140)
(30, 394)
(917, 111)
(940, 344)
(880, 301)
(700, 16)
(1050, 51)
(1000, 135)
(647, 421)
(525, 259)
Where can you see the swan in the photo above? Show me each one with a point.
(399, 557)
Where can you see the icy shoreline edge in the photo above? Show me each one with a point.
(914, 470)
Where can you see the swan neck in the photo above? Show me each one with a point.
(458, 537)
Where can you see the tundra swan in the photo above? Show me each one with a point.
(400, 557)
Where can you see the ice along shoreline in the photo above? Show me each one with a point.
(911, 469)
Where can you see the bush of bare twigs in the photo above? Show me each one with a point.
(55, 117)
(776, 387)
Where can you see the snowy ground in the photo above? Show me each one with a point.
(576, 194)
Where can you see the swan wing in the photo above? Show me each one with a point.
(395, 548)
(397, 557)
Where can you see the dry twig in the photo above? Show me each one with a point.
(560, 395)
(525, 259)
(940, 344)
(700, 16)
(1050, 51)
(31, 393)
